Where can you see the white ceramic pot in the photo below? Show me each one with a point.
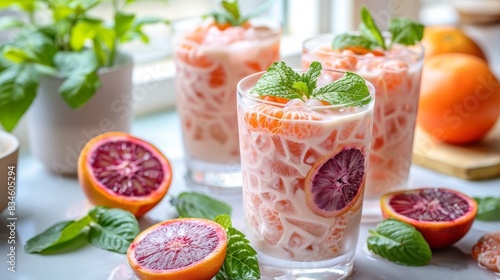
(58, 133)
(9, 147)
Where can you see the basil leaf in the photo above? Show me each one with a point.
(405, 31)
(195, 205)
(112, 229)
(343, 41)
(351, 89)
(123, 23)
(47, 238)
(38, 43)
(241, 259)
(400, 243)
(278, 81)
(82, 31)
(224, 220)
(18, 86)
(488, 208)
(369, 28)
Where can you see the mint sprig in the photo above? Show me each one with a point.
(403, 31)
(106, 228)
(241, 259)
(400, 243)
(282, 81)
(230, 13)
(488, 208)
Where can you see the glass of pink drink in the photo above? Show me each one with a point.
(210, 60)
(395, 73)
(303, 180)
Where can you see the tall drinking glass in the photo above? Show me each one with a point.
(209, 63)
(303, 167)
(395, 74)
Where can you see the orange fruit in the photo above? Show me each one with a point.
(449, 39)
(443, 216)
(336, 182)
(187, 249)
(118, 170)
(487, 251)
(459, 98)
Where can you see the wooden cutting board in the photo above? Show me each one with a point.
(472, 162)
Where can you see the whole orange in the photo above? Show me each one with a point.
(449, 39)
(459, 98)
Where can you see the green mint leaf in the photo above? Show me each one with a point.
(488, 208)
(7, 23)
(18, 87)
(405, 31)
(17, 55)
(351, 90)
(369, 28)
(231, 7)
(343, 41)
(224, 220)
(47, 238)
(78, 88)
(241, 259)
(123, 23)
(39, 43)
(302, 88)
(310, 77)
(112, 229)
(69, 63)
(195, 205)
(278, 81)
(400, 243)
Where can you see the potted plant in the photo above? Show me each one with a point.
(70, 73)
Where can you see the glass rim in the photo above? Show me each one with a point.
(273, 30)
(246, 93)
(419, 52)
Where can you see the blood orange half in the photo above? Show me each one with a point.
(118, 170)
(443, 216)
(187, 249)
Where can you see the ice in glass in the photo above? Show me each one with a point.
(210, 59)
(303, 167)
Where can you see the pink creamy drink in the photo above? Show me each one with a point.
(396, 76)
(298, 160)
(209, 63)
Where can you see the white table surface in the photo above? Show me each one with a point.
(44, 199)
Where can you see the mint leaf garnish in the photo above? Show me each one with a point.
(279, 81)
(344, 41)
(230, 13)
(488, 208)
(350, 89)
(110, 229)
(405, 31)
(400, 243)
(282, 81)
(195, 205)
(369, 28)
(241, 259)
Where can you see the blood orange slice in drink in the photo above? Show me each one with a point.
(487, 251)
(335, 183)
(116, 169)
(443, 216)
(187, 249)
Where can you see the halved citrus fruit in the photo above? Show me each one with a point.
(443, 216)
(487, 251)
(336, 182)
(187, 249)
(118, 170)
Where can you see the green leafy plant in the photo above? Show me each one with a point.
(73, 45)
(106, 228)
(488, 208)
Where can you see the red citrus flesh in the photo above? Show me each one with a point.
(118, 170)
(336, 182)
(186, 249)
(487, 251)
(443, 216)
